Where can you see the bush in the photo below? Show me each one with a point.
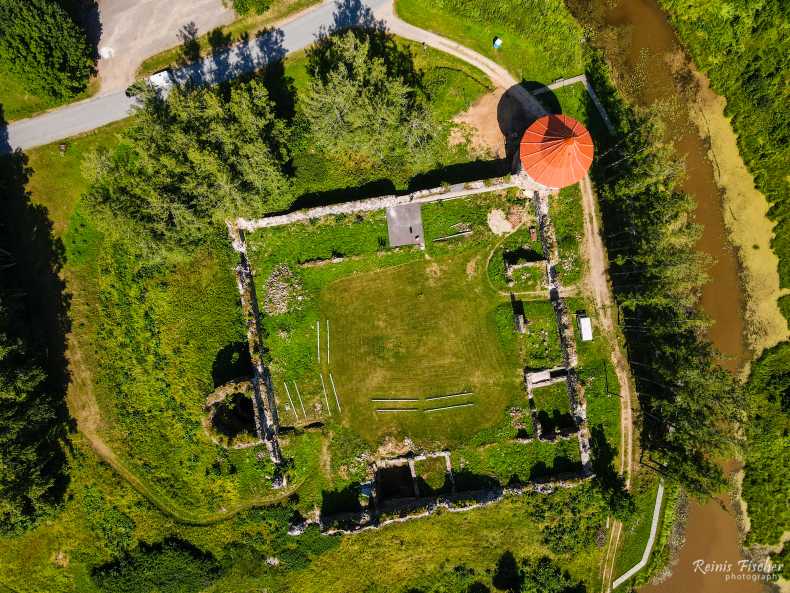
(172, 566)
(245, 7)
(44, 48)
(766, 484)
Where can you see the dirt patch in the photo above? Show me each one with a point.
(326, 459)
(746, 217)
(498, 222)
(434, 270)
(481, 120)
(61, 559)
(471, 266)
(394, 448)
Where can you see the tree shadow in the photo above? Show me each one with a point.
(345, 500)
(353, 14)
(231, 362)
(217, 39)
(611, 483)
(190, 47)
(5, 145)
(170, 564)
(34, 296)
(508, 576)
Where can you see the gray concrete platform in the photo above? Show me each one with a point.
(404, 225)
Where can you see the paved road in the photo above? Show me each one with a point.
(95, 112)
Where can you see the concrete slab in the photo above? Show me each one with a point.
(404, 225)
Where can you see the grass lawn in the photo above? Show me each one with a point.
(636, 531)
(566, 215)
(540, 346)
(57, 181)
(418, 331)
(398, 556)
(553, 406)
(542, 42)
(156, 339)
(17, 103)
(432, 476)
(596, 374)
(513, 462)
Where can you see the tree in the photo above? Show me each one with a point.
(544, 576)
(692, 408)
(28, 460)
(33, 415)
(194, 159)
(364, 109)
(44, 48)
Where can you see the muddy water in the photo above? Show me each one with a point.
(645, 44)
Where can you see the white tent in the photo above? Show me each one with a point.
(585, 327)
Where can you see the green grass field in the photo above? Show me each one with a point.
(18, 103)
(637, 530)
(418, 331)
(542, 42)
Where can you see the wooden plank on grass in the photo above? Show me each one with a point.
(293, 407)
(461, 394)
(326, 398)
(447, 407)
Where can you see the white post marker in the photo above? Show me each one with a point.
(318, 339)
(299, 395)
(337, 399)
(326, 397)
(293, 407)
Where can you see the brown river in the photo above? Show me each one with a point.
(638, 37)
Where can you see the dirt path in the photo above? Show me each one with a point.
(598, 285)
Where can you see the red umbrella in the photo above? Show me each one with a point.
(556, 151)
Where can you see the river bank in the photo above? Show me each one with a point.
(745, 212)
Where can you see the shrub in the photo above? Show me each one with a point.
(245, 7)
(172, 566)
